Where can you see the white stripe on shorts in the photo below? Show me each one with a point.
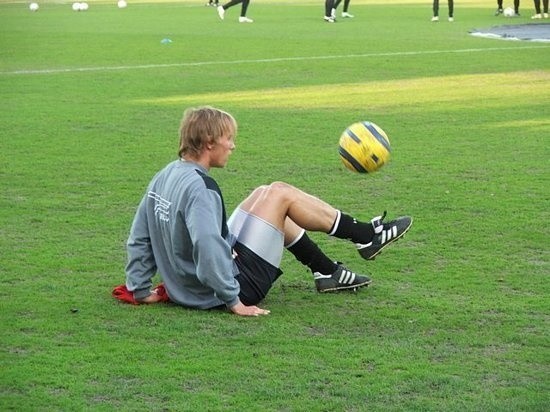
(259, 236)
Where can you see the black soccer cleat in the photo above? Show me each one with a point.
(341, 279)
(384, 234)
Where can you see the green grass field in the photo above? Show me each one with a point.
(457, 318)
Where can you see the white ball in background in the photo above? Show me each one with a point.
(509, 12)
(83, 6)
(122, 4)
(33, 7)
(76, 6)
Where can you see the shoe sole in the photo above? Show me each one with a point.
(389, 243)
(347, 287)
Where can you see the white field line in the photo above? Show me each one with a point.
(259, 61)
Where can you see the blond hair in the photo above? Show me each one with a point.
(201, 126)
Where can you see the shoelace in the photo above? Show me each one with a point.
(377, 223)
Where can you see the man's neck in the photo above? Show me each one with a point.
(202, 161)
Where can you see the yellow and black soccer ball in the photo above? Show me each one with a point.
(364, 147)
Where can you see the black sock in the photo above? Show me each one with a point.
(346, 227)
(308, 253)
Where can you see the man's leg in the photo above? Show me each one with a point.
(275, 202)
(306, 251)
(262, 236)
(329, 276)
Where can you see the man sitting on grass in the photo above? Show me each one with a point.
(205, 260)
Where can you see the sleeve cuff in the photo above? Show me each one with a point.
(141, 293)
(233, 302)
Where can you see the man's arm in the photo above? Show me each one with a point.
(141, 266)
(212, 254)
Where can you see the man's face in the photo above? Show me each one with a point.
(220, 151)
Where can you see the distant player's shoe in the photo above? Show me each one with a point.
(384, 234)
(545, 15)
(537, 16)
(499, 11)
(451, 19)
(245, 20)
(329, 19)
(435, 18)
(221, 12)
(341, 279)
(347, 15)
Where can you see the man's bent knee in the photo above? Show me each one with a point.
(278, 190)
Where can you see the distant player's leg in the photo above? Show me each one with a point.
(346, 5)
(537, 7)
(329, 7)
(244, 7)
(499, 8)
(231, 3)
(345, 12)
(435, 8)
(221, 9)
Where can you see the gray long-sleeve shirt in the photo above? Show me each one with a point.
(180, 230)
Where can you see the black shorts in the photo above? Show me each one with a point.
(256, 275)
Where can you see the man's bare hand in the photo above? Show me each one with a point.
(242, 310)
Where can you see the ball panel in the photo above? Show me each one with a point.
(350, 162)
(352, 135)
(378, 134)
